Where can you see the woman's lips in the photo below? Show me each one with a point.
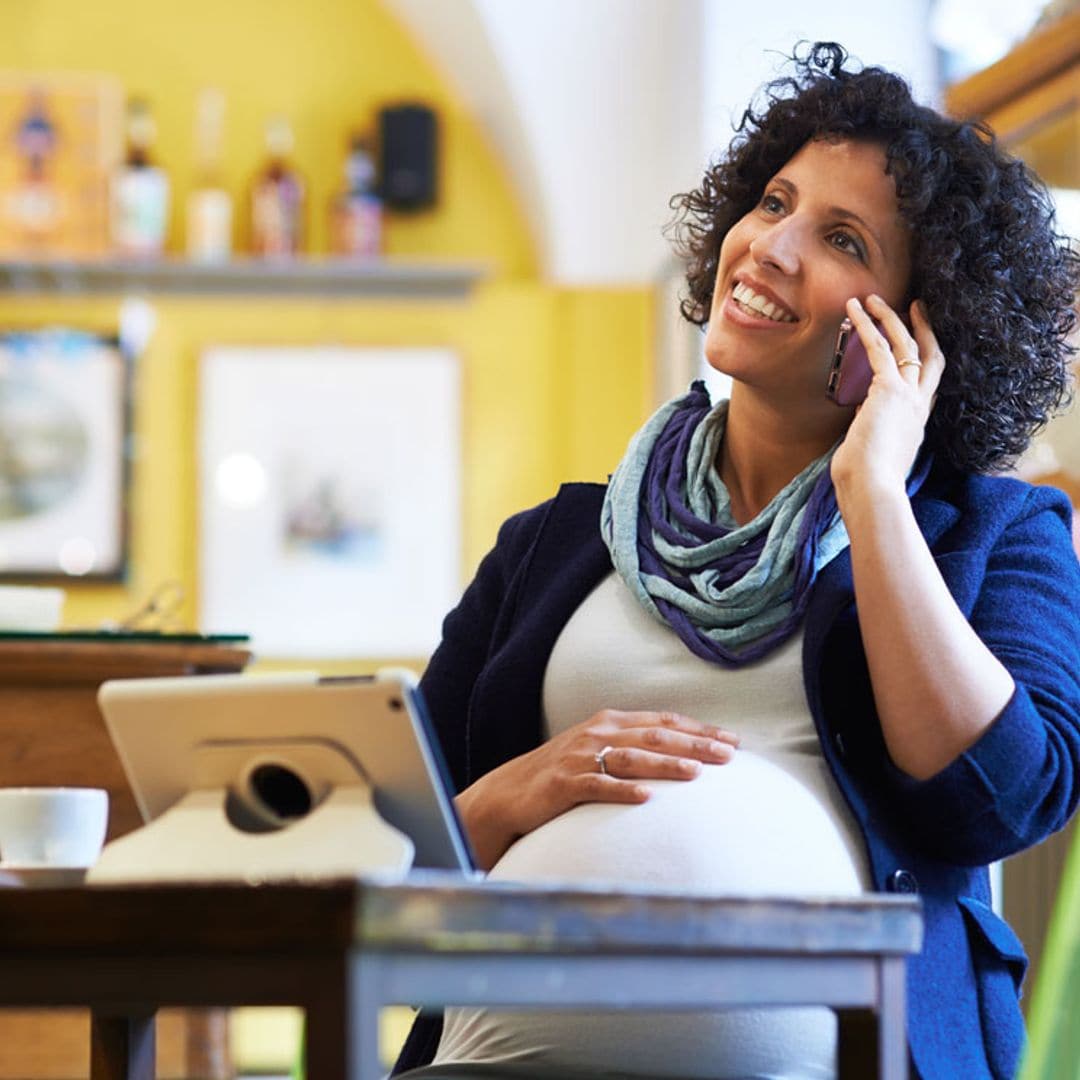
(755, 298)
(736, 313)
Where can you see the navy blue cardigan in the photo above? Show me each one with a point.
(1004, 549)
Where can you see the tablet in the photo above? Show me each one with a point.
(279, 743)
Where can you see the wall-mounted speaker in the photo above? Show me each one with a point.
(408, 157)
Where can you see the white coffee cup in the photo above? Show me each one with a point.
(52, 826)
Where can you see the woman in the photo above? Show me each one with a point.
(891, 631)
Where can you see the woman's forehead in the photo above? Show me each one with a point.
(845, 174)
(839, 163)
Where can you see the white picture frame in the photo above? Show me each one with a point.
(330, 489)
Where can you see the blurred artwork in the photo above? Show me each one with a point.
(60, 143)
(329, 498)
(62, 438)
(44, 447)
(327, 515)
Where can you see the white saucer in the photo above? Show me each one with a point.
(42, 877)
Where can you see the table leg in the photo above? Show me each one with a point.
(122, 1047)
(366, 978)
(873, 1043)
(892, 1020)
(856, 1044)
(341, 1040)
(325, 1038)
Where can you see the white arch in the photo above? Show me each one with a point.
(601, 109)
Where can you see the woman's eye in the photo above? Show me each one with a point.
(771, 204)
(845, 241)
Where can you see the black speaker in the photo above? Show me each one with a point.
(408, 156)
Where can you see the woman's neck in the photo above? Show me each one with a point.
(765, 448)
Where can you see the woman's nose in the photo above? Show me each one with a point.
(779, 246)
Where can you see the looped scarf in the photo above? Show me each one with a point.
(731, 592)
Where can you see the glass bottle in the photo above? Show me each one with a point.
(209, 206)
(277, 199)
(140, 200)
(356, 212)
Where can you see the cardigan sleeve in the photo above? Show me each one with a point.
(1021, 780)
(467, 635)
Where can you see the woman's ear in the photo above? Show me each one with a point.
(905, 313)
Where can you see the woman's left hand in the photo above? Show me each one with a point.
(881, 443)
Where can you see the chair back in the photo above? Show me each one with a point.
(1053, 1051)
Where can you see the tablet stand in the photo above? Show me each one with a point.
(222, 831)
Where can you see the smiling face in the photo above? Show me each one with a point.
(827, 228)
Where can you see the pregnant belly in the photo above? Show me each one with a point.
(760, 826)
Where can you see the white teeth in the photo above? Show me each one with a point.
(746, 296)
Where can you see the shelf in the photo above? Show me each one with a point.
(1046, 53)
(307, 277)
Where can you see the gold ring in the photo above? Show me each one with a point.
(908, 361)
(599, 758)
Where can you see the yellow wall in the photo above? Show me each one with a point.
(554, 379)
(326, 65)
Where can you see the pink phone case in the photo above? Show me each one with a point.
(850, 373)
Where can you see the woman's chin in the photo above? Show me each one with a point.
(716, 350)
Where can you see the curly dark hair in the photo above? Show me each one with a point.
(998, 281)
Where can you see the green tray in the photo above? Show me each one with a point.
(124, 635)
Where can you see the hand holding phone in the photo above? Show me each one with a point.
(850, 373)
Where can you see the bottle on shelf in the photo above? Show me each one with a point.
(209, 206)
(277, 199)
(356, 212)
(140, 202)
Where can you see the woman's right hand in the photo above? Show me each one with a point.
(527, 791)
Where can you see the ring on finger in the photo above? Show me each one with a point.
(908, 361)
(599, 756)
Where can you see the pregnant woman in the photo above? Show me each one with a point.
(795, 647)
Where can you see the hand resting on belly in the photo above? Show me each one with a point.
(521, 795)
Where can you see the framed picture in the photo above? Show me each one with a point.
(63, 139)
(63, 434)
(329, 498)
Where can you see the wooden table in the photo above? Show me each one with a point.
(52, 733)
(342, 950)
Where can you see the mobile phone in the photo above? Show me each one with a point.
(850, 373)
